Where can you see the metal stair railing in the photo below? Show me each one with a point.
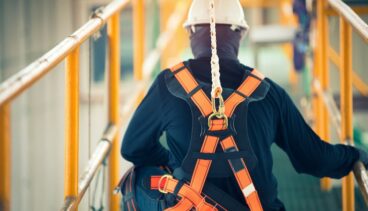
(323, 103)
(68, 50)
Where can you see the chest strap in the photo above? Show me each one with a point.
(241, 173)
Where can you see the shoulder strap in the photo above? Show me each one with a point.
(200, 99)
(245, 90)
(192, 88)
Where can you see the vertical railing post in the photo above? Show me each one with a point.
(287, 17)
(71, 125)
(5, 158)
(138, 37)
(113, 94)
(323, 76)
(346, 99)
(166, 8)
(317, 101)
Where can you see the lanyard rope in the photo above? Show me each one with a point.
(216, 92)
(215, 68)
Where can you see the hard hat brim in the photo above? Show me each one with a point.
(242, 25)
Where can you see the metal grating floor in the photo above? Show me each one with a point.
(302, 192)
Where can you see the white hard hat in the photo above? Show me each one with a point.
(227, 12)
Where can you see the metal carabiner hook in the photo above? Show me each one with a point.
(218, 112)
(221, 107)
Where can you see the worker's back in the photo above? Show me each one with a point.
(275, 119)
(262, 119)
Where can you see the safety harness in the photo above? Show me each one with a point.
(213, 141)
(209, 132)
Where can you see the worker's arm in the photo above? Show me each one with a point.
(307, 152)
(141, 144)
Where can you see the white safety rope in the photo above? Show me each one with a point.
(215, 67)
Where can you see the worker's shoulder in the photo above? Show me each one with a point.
(274, 86)
(160, 78)
(159, 83)
(276, 92)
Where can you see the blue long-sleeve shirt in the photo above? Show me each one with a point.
(275, 119)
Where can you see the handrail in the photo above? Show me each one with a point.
(358, 9)
(361, 176)
(358, 83)
(149, 64)
(360, 172)
(324, 105)
(163, 41)
(97, 158)
(345, 11)
(69, 49)
(329, 102)
(18, 83)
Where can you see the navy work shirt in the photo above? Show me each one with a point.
(275, 119)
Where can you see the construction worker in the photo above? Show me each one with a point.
(272, 118)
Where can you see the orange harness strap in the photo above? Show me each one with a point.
(245, 90)
(217, 124)
(242, 176)
(188, 82)
(202, 167)
(199, 174)
(192, 197)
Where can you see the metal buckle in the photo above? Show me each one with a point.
(223, 116)
(221, 107)
(167, 176)
(218, 113)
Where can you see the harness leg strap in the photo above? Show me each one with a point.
(199, 175)
(242, 176)
(167, 184)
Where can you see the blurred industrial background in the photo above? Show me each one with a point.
(29, 28)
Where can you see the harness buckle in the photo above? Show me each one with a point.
(219, 112)
(221, 107)
(167, 177)
(218, 116)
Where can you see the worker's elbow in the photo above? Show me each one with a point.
(126, 151)
(124, 154)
